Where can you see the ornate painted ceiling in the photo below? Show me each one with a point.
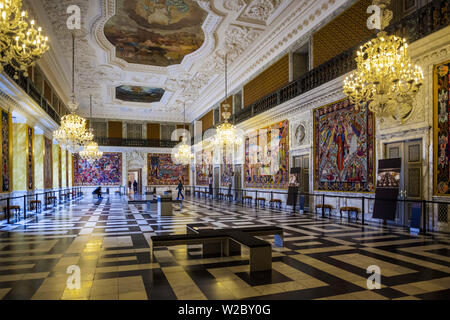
(176, 46)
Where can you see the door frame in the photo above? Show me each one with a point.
(139, 173)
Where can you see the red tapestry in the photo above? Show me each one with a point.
(343, 148)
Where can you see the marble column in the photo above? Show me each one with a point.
(55, 156)
(39, 150)
(69, 166)
(63, 168)
(19, 151)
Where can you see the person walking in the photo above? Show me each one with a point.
(180, 189)
(135, 186)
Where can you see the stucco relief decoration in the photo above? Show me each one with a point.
(261, 9)
(300, 134)
(135, 159)
(234, 5)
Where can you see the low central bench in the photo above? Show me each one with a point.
(227, 242)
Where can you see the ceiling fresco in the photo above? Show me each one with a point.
(156, 32)
(139, 94)
(249, 31)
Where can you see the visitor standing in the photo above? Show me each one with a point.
(210, 181)
(135, 186)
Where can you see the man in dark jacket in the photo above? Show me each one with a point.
(180, 189)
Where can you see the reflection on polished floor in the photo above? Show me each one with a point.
(109, 241)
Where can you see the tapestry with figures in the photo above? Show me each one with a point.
(6, 148)
(162, 171)
(267, 157)
(107, 171)
(226, 168)
(344, 157)
(204, 167)
(441, 129)
(30, 171)
(48, 163)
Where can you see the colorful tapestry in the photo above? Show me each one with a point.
(48, 164)
(6, 165)
(226, 169)
(441, 129)
(30, 171)
(107, 171)
(59, 167)
(204, 167)
(163, 172)
(267, 157)
(343, 148)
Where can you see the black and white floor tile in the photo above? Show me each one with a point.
(109, 241)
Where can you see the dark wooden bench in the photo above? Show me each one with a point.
(51, 200)
(36, 204)
(350, 210)
(247, 199)
(326, 208)
(274, 202)
(220, 196)
(261, 202)
(14, 209)
(227, 240)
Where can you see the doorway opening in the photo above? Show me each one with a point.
(134, 175)
(410, 177)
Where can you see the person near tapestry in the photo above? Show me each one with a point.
(210, 182)
(135, 186)
(180, 189)
(292, 191)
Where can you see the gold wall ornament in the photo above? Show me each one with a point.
(385, 76)
(21, 44)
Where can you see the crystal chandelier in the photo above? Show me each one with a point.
(182, 154)
(72, 133)
(226, 132)
(90, 151)
(385, 77)
(21, 44)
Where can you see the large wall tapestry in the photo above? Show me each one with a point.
(441, 129)
(154, 32)
(104, 172)
(48, 164)
(204, 167)
(139, 94)
(226, 169)
(343, 148)
(163, 172)
(59, 167)
(267, 160)
(30, 171)
(6, 164)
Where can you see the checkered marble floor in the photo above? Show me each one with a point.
(109, 241)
